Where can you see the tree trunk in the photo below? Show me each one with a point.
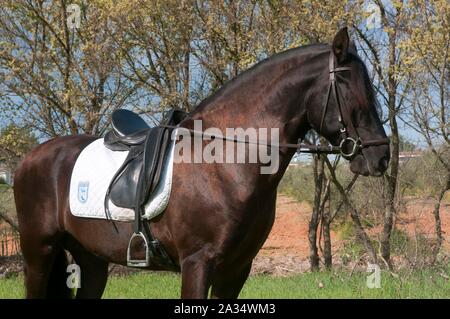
(186, 79)
(391, 177)
(314, 222)
(437, 218)
(326, 220)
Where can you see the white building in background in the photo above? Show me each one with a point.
(406, 156)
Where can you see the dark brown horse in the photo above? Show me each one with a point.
(219, 215)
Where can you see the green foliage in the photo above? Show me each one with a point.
(345, 230)
(7, 205)
(399, 242)
(4, 188)
(352, 250)
(419, 176)
(416, 251)
(298, 183)
(15, 142)
(422, 176)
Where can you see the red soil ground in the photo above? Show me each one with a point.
(418, 219)
(287, 249)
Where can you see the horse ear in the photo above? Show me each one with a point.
(341, 44)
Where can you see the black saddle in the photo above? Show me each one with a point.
(139, 175)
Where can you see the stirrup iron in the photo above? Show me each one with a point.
(138, 262)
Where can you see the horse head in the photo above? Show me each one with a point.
(348, 115)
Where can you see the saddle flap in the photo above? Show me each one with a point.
(140, 173)
(123, 190)
(153, 162)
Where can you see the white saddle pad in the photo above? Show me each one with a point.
(92, 174)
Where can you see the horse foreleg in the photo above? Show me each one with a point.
(228, 286)
(93, 273)
(196, 274)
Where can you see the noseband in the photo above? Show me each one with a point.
(356, 144)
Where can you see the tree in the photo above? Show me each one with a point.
(427, 60)
(378, 46)
(15, 142)
(7, 210)
(319, 184)
(57, 79)
(155, 41)
(354, 214)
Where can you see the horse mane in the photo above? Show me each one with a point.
(255, 69)
(363, 90)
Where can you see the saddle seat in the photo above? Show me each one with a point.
(128, 129)
(126, 122)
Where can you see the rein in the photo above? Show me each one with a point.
(300, 147)
(356, 144)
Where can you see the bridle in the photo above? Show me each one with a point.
(356, 144)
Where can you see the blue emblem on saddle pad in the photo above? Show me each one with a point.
(83, 192)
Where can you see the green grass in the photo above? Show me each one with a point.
(423, 284)
(11, 287)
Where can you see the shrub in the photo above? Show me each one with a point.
(298, 183)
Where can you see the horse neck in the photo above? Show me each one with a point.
(272, 96)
